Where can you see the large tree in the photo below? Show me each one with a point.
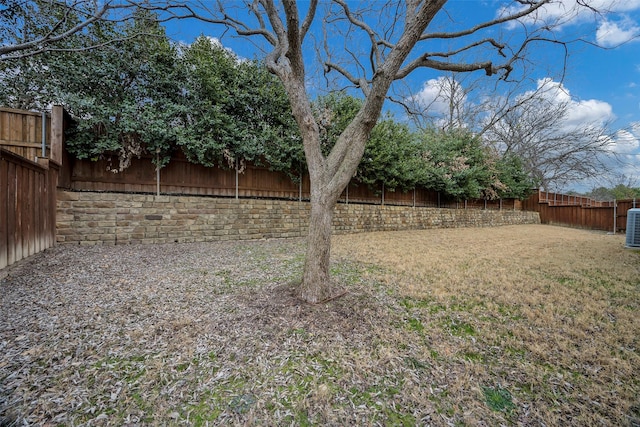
(368, 47)
(400, 38)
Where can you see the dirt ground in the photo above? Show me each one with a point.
(518, 325)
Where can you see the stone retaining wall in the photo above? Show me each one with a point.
(109, 218)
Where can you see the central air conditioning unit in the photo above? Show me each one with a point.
(633, 228)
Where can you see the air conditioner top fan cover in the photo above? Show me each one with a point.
(633, 228)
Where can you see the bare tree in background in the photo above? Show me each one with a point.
(443, 104)
(535, 125)
(555, 149)
(369, 48)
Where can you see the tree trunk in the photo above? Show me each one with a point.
(316, 281)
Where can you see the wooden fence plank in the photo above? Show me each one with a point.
(56, 133)
(183, 177)
(31, 213)
(11, 213)
(577, 211)
(22, 208)
(27, 184)
(4, 202)
(13, 143)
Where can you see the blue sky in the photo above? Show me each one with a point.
(602, 84)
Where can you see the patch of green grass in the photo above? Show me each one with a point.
(465, 305)
(296, 262)
(440, 398)
(306, 374)
(526, 389)
(510, 312)
(415, 325)
(410, 303)
(241, 404)
(375, 269)
(416, 364)
(473, 356)
(202, 412)
(395, 418)
(569, 281)
(407, 303)
(375, 397)
(347, 272)
(182, 367)
(300, 332)
(301, 418)
(249, 282)
(498, 399)
(130, 369)
(437, 308)
(229, 395)
(225, 275)
(515, 352)
(459, 328)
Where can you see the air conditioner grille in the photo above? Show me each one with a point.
(633, 228)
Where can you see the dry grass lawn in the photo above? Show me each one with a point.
(548, 315)
(521, 325)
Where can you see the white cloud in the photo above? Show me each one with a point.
(625, 142)
(434, 98)
(563, 12)
(623, 160)
(616, 5)
(610, 34)
(590, 112)
(436, 93)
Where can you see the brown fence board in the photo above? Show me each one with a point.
(4, 209)
(12, 212)
(27, 184)
(254, 181)
(25, 208)
(578, 211)
(21, 132)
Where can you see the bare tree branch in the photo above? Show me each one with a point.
(57, 32)
(308, 20)
(533, 6)
(375, 55)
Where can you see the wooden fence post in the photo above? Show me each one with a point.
(57, 133)
(237, 178)
(157, 171)
(44, 135)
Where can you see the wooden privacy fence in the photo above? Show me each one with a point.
(182, 177)
(582, 212)
(30, 156)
